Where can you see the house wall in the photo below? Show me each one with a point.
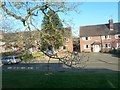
(69, 44)
(112, 41)
(105, 41)
(83, 42)
(1, 35)
(68, 41)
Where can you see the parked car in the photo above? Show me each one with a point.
(10, 60)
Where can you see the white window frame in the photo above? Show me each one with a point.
(85, 46)
(85, 38)
(108, 45)
(2, 43)
(106, 37)
(117, 45)
(67, 39)
(117, 36)
(103, 37)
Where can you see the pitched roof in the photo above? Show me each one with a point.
(95, 30)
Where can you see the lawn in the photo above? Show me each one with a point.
(36, 79)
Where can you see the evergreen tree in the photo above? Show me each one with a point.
(53, 32)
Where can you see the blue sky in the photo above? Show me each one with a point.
(91, 13)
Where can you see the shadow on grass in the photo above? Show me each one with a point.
(36, 75)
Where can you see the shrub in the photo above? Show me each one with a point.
(117, 52)
(27, 57)
(10, 53)
(112, 51)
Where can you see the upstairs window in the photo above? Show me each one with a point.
(67, 39)
(86, 38)
(106, 37)
(117, 36)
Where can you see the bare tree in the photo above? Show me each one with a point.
(26, 12)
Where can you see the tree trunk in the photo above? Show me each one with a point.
(48, 64)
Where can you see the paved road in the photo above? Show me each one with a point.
(97, 62)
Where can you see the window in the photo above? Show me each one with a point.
(117, 36)
(67, 39)
(86, 38)
(2, 43)
(86, 46)
(103, 37)
(108, 45)
(13, 43)
(65, 47)
(106, 37)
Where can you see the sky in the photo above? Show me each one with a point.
(93, 13)
(88, 13)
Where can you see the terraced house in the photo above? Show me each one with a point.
(103, 37)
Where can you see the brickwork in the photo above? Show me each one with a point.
(88, 42)
(112, 41)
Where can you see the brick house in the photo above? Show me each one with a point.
(96, 38)
(68, 44)
(12, 37)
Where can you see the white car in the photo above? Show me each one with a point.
(10, 60)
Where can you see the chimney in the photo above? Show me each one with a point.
(111, 24)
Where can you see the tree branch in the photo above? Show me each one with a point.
(11, 13)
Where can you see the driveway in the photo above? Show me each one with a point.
(102, 61)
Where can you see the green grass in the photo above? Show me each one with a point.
(36, 79)
(38, 54)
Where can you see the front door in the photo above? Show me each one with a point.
(96, 48)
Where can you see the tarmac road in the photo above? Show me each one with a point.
(103, 60)
(99, 62)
